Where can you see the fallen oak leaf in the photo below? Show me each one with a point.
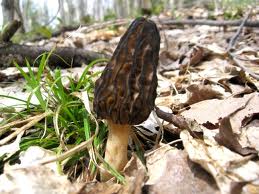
(170, 169)
(199, 93)
(209, 112)
(192, 58)
(228, 138)
(225, 166)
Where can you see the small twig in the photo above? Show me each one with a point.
(245, 69)
(160, 131)
(234, 38)
(8, 126)
(34, 120)
(164, 145)
(176, 120)
(76, 149)
(232, 44)
(55, 16)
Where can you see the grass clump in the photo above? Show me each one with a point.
(70, 122)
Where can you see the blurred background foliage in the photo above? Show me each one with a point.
(45, 16)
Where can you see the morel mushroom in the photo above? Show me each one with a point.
(126, 91)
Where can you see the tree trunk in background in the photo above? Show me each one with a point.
(11, 10)
(180, 4)
(34, 13)
(82, 7)
(8, 10)
(19, 14)
(98, 12)
(120, 7)
(170, 5)
(26, 6)
(63, 12)
(132, 7)
(146, 4)
(71, 11)
(46, 13)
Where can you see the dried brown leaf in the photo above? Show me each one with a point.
(209, 112)
(192, 58)
(229, 139)
(227, 167)
(37, 179)
(197, 93)
(252, 134)
(170, 171)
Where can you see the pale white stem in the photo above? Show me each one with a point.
(116, 148)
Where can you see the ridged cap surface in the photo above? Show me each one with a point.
(126, 91)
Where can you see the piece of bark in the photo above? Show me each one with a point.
(62, 56)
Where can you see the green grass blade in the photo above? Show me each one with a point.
(26, 77)
(90, 65)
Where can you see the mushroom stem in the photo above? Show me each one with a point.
(116, 148)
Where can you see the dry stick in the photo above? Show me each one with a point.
(163, 145)
(232, 44)
(234, 38)
(160, 131)
(74, 150)
(55, 16)
(68, 153)
(34, 120)
(168, 22)
(176, 120)
(5, 128)
(245, 69)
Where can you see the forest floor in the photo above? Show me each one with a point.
(202, 138)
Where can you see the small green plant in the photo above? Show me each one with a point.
(235, 9)
(110, 15)
(157, 7)
(87, 19)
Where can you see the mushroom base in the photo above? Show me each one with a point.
(116, 148)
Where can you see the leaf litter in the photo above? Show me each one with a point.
(213, 149)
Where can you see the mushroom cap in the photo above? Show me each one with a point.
(126, 91)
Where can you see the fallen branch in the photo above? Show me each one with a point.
(85, 28)
(254, 24)
(238, 63)
(166, 22)
(232, 43)
(62, 56)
